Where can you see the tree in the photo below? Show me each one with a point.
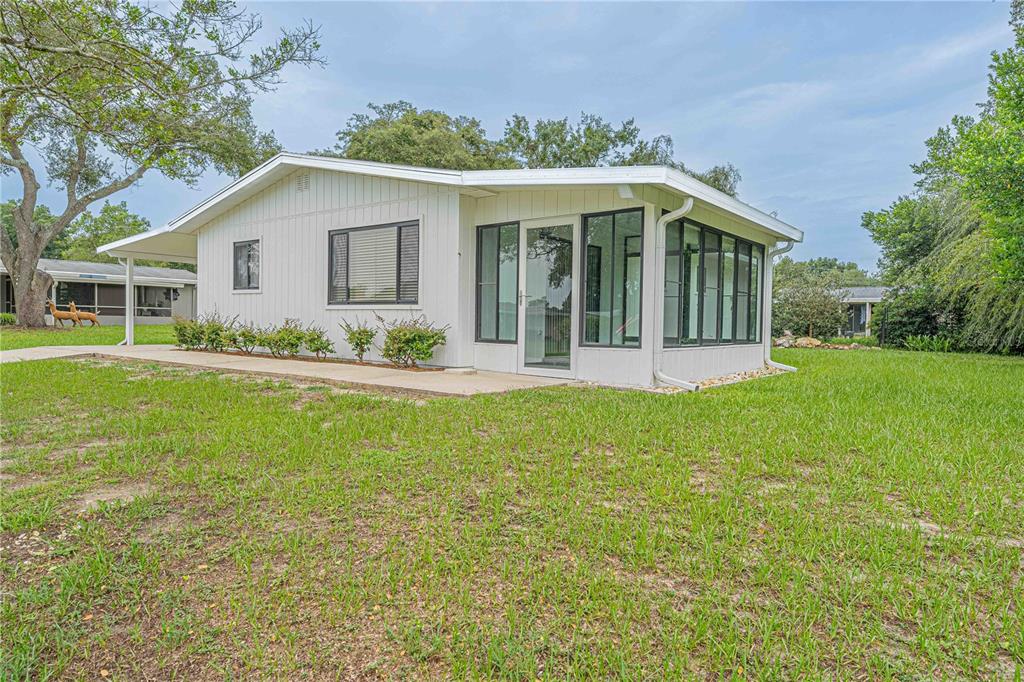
(811, 310)
(399, 133)
(825, 271)
(954, 251)
(89, 231)
(107, 91)
(42, 217)
(984, 156)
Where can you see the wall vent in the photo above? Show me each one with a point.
(302, 182)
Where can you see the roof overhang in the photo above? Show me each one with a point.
(176, 241)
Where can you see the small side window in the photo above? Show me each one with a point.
(247, 265)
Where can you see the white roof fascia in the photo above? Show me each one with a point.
(470, 182)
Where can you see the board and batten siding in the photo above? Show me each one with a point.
(292, 223)
(627, 366)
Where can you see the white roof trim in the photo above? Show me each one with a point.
(475, 183)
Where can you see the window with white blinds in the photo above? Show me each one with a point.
(378, 264)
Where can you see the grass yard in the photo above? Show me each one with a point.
(863, 518)
(19, 337)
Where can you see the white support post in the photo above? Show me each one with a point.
(129, 302)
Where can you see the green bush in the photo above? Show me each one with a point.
(283, 341)
(188, 334)
(7, 319)
(317, 343)
(359, 336)
(931, 344)
(217, 332)
(410, 341)
(245, 338)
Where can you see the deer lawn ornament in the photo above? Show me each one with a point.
(84, 315)
(60, 315)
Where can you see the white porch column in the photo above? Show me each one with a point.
(867, 320)
(129, 301)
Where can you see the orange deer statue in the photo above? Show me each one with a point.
(60, 315)
(83, 315)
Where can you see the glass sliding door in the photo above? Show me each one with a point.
(547, 306)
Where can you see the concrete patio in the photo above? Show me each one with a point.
(435, 383)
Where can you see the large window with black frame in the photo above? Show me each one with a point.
(612, 269)
(497, 282)
(379, 264)
(712, 287)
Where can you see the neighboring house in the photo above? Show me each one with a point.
(859, 304)
(579, 272)
(160, 293)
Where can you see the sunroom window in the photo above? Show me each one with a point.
(612, 268)
(712, 287)
(497, 282)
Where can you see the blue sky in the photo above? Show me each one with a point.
(822, 106)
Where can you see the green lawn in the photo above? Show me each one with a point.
(11, 338)
(862, 518)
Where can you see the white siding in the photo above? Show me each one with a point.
(293, 226)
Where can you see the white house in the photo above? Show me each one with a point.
(860, 303)
(624, 275)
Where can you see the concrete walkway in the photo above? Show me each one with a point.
(436, 383)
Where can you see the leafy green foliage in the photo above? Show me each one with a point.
(245, 338)
(317, 342)
(359, 337)
(931, 344)
(42, 219)
(285, 340)
(407, 342)
(955, 251)
(108, 91)
(7, 319)
(398, 132)
(808, 310)
(188, 334)
(825, 271)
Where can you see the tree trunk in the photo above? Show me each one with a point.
(31, 289)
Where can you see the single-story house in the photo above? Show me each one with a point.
(620, 275)
(160, 293)
(860, 302)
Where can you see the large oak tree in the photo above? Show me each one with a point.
(105, 91)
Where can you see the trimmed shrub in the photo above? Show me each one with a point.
(410, 341)
(245, 338)
(359, 336)
(283, 341)
(216, 332)
(7, 319)
(317, 343)
(188, 334)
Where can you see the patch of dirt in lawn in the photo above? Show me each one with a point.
(931, 530)
(153, 529)
(123, 493)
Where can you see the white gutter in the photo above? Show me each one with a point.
(777, 251)
(659, 296)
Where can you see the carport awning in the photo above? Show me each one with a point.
(159, 244)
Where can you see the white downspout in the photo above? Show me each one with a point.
(659, 295)
(777, 251)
